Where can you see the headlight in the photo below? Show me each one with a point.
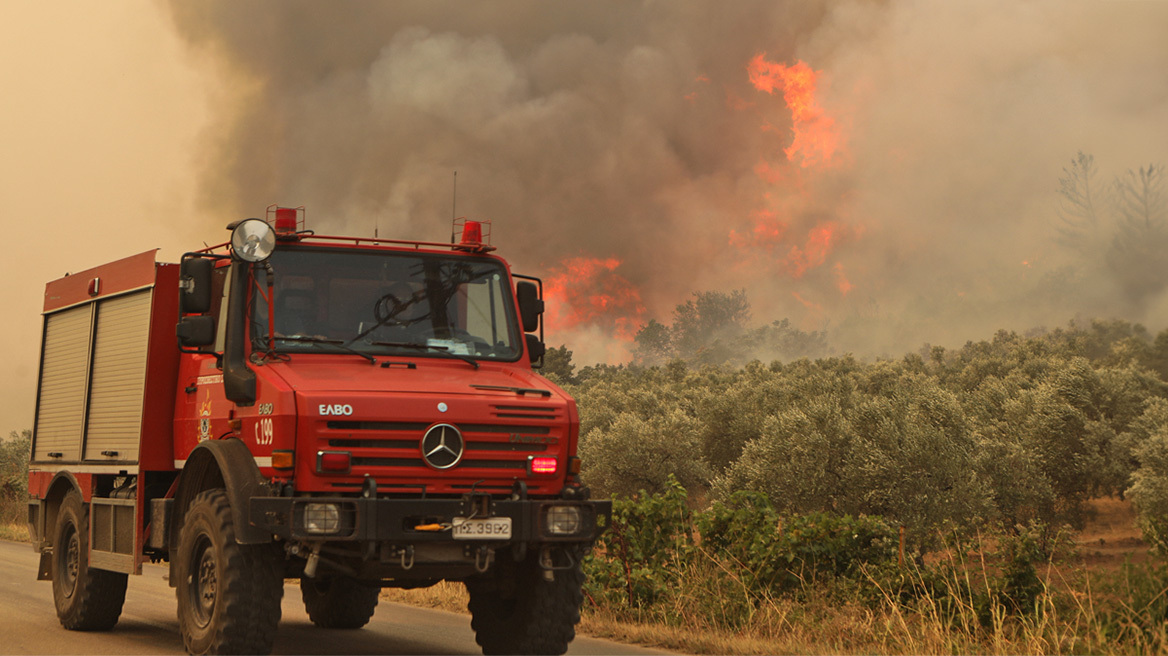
(563, 520)
(253, 240)
(322, 518)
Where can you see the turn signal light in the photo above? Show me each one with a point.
(282, 459)
(541, 465)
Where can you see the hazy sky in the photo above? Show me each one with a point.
(619, 147)
(101, 110)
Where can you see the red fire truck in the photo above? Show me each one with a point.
(355, 413)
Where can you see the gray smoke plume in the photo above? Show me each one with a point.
(630, 131)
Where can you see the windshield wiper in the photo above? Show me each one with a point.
(396, 307)
(329, 342)
(444, 350)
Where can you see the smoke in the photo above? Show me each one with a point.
(102, 106)
(631, 133)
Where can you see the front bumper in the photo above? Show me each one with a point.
(413, 521)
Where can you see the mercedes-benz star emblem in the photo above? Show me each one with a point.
(442, 446)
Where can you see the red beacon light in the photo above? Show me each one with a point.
(472, 233)
(289, 221)
(475, 235)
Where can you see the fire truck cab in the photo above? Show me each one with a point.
(356, 413)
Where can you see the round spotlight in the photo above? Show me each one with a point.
(253, 240)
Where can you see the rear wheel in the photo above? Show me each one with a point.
(518, 611)
(228, 594)
(86, 599)
(339, 602)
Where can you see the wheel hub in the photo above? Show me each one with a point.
(205, 586)
(72, 564)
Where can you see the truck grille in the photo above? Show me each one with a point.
(493, 451)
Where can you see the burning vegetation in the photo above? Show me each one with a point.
(589, 292)
(884, 173)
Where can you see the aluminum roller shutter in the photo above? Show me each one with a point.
(118, 382)
(61, 402)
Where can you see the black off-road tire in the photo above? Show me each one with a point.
(228, 594)
(86, 599)
(339, 602)
(518, 611)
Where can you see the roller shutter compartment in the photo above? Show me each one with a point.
(118, 381)
(64, 374)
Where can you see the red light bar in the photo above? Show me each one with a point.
(285, 219)
(473, 236)
(288, 222)
(542, 465)
(472, 233)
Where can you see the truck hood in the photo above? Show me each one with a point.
(307, 373)
(505, 416)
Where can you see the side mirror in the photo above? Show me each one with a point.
(196, 331)
(535, 349)
(530, 305)
(195, 286)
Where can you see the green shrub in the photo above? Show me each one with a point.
(784, 554)
(639, 558)
(1149, 492)
(14, 453)
(659, 557)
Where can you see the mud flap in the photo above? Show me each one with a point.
(45, 569)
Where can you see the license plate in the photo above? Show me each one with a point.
(490, 528)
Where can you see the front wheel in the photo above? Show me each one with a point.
(519, 611)
(86, 599)
(228, 594)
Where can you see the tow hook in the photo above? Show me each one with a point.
(476, 504)
(548, 557)
(483, 558)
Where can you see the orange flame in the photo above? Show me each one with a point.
(815, 308)
(586, 291)
(841, 279)
(814, 251)
(767, 232)
(789, 235)
(816, 137)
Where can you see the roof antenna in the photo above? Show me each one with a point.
(454, 205)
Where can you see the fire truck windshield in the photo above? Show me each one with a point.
(388, 303)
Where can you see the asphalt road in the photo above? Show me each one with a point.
(28, 622)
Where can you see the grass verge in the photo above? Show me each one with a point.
(1073, 612)
(13, 520)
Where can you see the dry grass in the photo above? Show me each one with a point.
(13, 520)
(443, 596)
(1111, 536)
(1071, 615)
(14, 532)
(779, 627)
(821, 627)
